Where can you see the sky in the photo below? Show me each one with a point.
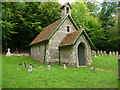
(64, 1)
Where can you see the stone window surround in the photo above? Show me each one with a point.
(67, 10)
(69, 28)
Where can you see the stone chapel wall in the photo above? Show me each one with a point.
(56, 40)
(37, 52)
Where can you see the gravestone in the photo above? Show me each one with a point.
(24, 64)
(49, 68)
(8, 53)
(101, 52)
(104, 53)
(30, 68)
(117, 53)
(113, 54)
(93, 69)
(98, 52)
(94, 53)
(110, 54)
(64, 66)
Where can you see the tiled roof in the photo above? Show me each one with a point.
(46, 32)
(70, 38)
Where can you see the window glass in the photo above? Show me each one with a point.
(68, 28)
(67, 9)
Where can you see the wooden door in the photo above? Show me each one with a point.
(81, 54)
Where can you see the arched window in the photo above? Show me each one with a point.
(67, 9)
(68, 28)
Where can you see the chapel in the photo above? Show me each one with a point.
(62, 42)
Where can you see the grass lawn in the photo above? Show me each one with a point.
(14, 76)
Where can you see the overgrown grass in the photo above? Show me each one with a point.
(15, 76)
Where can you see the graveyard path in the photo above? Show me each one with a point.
(100, 69)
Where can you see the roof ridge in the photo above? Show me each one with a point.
(51, 30)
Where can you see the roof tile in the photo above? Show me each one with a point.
(46, 32)
(70, 38)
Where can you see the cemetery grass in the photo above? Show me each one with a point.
(15, 76)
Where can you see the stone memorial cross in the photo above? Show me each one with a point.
(8, 53)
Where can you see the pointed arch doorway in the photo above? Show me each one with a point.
(81, 54)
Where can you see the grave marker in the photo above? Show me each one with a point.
(104, 53)
(64, 66)
(110, 54)
(8, 53)
(117, 53)
(113, 54)
(49, 67)
(30, 68)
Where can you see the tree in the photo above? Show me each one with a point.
(93, 8)
(106, 16)
(82, 17)
(22, 21)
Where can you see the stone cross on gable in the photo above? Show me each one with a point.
(80, 26)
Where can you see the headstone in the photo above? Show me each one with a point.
(94, 53)
(110, 54)
(93, 69)
(101, 52)
(30, 68)
(104, 53)
(113, 54)
(98, 52)
(117, 53)
(8, 53)
(24, 64)
(49, 67)
(64, 66)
